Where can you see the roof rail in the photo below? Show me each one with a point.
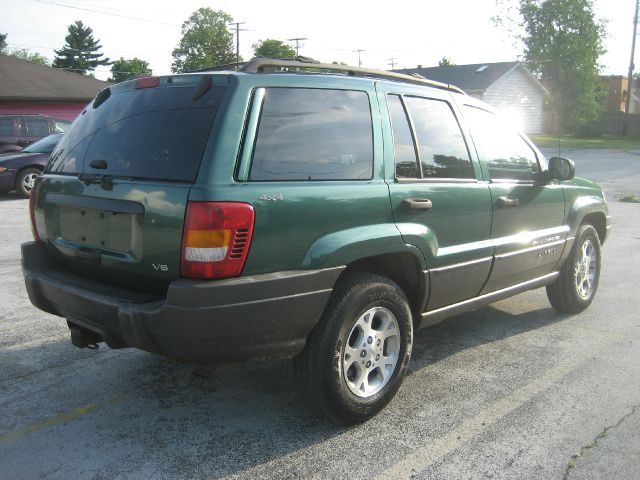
(271, 65)
(226, 66)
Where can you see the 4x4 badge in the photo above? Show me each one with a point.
(271, 198)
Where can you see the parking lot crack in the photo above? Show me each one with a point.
(593, 444)
(25, 372)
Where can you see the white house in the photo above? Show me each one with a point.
(507, 86)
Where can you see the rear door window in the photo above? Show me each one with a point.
(313, 134)
(157, 133)
(443, 150)
(403, 146)
(35, 127)
(6, 127)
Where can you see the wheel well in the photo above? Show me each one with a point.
(599, 222)
(37, 167)
(402, 268)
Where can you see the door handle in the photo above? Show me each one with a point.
(508, 202)
(417, 204)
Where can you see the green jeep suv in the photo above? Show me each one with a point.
(315, 211)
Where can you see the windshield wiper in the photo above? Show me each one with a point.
(105, 181)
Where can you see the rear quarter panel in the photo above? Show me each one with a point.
(299, 224)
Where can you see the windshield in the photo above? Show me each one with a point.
(62, 125)
(44, 145)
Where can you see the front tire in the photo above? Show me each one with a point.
(357, 355)
(575, 288)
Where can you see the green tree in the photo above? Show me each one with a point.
(563, 42)
(80, 52)
(445, 62)
(3, 41)
(271, 48)
(122, 69)
(206, 41)
(24, 54)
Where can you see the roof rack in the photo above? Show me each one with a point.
(226, 66)
(271, 65)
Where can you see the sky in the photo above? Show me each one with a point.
(409, 32)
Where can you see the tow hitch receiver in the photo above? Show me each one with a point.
(83, 338)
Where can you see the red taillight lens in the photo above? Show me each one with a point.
(32, 215)
(147, 82)
(216, 239)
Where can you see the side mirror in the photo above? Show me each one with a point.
(561, 168)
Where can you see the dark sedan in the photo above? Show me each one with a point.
(19, 170)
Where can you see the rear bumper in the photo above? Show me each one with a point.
(197, 321)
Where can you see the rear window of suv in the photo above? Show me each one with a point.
(313, 134)
(157, 133)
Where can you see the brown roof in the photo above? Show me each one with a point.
(23, 80)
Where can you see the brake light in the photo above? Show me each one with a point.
(147, 82)
(32, 215)
(216, 239)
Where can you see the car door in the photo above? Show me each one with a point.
(528, 228)
(438, 200)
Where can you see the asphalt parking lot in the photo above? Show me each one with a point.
(513, 390)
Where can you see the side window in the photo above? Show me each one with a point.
(507, 154)
(36, 127)
(443, 150)
(6, 127)
(313, 134)
(403, 147)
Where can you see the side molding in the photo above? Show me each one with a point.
(436, 316)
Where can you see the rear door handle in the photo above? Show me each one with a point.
(508, 202)
(417, 204)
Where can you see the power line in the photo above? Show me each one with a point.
(140, 19)
(133, 52)
(297, 40)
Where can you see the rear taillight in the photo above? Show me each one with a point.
(216, 239)
(32, 215)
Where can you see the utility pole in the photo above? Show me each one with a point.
(627, 103)
(392, 62)
(359, 57)
(238, 30)
(297, 40)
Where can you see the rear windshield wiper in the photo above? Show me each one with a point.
(105, 181)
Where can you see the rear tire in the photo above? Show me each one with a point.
(356, 357)
(25, 181)
(575, 288)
